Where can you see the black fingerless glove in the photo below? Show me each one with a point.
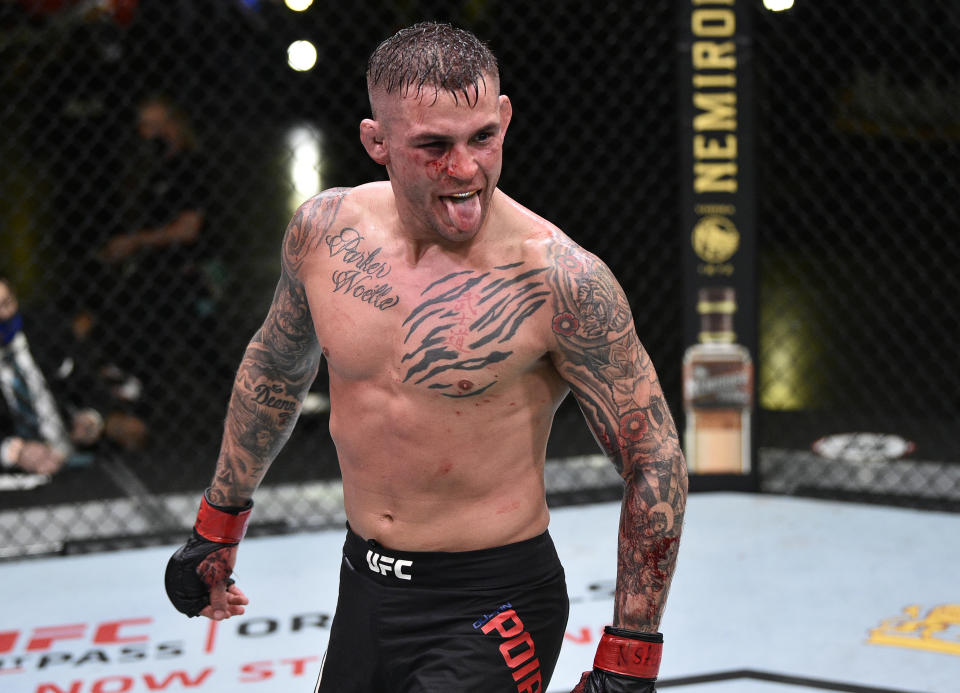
(627, 661)
(208, 556)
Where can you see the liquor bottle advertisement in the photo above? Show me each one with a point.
(718, 231)
(717, 390)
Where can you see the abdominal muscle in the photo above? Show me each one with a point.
(431, 475)
(413, 520)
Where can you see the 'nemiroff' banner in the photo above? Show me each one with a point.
(717, 159)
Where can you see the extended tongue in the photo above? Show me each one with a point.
(465, 215)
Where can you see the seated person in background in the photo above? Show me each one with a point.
(86, 375)
(33, 435)
(171, 197)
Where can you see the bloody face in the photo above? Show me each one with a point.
(444, 156)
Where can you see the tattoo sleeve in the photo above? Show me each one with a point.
(609, 372)
(278, 366)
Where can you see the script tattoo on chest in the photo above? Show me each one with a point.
(363, 277)
(466, 322)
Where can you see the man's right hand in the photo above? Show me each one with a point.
(197, 578)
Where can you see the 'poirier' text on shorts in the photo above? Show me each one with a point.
(488, 621)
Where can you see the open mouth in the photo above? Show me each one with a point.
(464, 209)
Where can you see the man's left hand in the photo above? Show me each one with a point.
(627, 661)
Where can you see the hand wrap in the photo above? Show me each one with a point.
(627, 661)
(207, 558)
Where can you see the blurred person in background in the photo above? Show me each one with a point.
(172, 202)
(162, 275)
(34, 437)
(83, 371)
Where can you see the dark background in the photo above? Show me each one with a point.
(857, 123)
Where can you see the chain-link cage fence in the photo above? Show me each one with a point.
(858, 126)
(153, 152)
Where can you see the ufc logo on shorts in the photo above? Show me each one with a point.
(387, 564)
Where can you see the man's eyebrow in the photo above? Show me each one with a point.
(424, 137)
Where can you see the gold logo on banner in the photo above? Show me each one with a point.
(937, 631)
(715, 239)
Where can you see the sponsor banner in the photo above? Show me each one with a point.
(122, 635)
(717, 165)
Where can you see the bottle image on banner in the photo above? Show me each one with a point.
(717, 390)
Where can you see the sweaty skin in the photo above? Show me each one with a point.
(454, 322)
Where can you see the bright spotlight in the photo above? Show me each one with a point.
(298, 5)
(305, 165)
(301, 55)
(778, 5)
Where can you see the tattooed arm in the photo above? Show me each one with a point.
(609, 372)
(278, 366)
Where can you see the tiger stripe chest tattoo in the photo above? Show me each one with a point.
(466, 322)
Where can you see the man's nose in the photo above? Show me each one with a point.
(461, 164)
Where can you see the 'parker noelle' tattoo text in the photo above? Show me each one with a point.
(361, 280)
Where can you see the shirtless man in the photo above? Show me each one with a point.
(453, 322)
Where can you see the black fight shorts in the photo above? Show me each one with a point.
(489, 621)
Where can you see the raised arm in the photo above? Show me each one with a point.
(611, 376)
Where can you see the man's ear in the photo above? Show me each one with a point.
(372, 136)
(506, 114)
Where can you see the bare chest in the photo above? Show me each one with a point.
(455, 332)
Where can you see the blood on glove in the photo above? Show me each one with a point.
(206, 560)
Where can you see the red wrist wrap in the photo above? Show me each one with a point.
(628, 657)
(216, 525)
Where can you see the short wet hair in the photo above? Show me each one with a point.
(431, 55)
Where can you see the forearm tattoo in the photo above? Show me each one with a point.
(278, 366)
(610, 374)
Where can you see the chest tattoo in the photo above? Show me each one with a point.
(466, 321)
(364, 272)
